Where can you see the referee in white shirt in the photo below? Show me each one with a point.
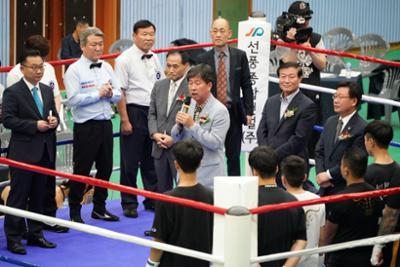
(137, 69)
(91, 88)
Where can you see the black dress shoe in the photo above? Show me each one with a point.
(40, 242)
(16, 248)
(130, 213)
(55, 228)
(77, 218)
(106, 216)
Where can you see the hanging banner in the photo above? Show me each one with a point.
(254, 38)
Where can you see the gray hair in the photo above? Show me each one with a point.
(88, 32)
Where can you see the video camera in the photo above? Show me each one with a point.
(285, 22)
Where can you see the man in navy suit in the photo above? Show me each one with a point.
(341, 131)
(232, 71)
(288, 117)
(29, 112)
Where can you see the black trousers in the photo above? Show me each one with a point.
(27, 191)
(233, 144)
(93, 143)
(136, 152)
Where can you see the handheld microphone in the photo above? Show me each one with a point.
(186, 105)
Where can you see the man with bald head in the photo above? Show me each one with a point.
(232, 71)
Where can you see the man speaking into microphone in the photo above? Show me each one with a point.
(206, 120)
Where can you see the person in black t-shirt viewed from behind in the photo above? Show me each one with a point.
(278, 231)
(179, 225)
(352, 219)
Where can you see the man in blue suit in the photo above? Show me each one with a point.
(288, 117)
(341, 131)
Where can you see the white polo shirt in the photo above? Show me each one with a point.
(138, 76)
(49, 77)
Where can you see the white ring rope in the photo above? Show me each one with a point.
(111, 234)
(366, 98)
(340, 246)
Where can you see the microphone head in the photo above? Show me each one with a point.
(187, 101)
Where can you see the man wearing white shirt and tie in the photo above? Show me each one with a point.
(138, 69)
(167, 98)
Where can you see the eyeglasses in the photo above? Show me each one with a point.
(340, 97)
(34, 67)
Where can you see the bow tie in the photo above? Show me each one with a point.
(148, 56)
(95, 65)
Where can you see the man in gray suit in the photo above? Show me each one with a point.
(166, 100)
(207, 121)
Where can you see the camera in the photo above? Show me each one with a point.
(285, 22)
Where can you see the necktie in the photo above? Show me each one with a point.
(197, 111)
(95, 65)
(148, 56)
(221, 80)
(338, 129)
(37, 99)
(171, 94)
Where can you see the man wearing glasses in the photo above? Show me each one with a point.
(341, 131)
(29, 111)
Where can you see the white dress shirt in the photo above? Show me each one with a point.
(138, 76)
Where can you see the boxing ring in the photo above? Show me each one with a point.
(235, 216)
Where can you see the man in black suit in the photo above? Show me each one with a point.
(232, 71)
(29, 112)
(288, 117)
(340, 132)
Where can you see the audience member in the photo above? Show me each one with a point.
(377, 137)
(71, 47)
(341, 131)
(179, 225)
(38, 42)
(207, 121)
(294, 173)
(167, 98)
(91, 88)
(282, 230)
(355, 218)
(30, 113)
(137, 68)
(233, 80)
(288, 117)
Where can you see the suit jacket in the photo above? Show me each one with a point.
(239, 77)
(290, 135)
(20, 115)
(211, 134)
(328, 152)
(159, 120)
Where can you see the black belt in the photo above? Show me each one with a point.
(137, 106)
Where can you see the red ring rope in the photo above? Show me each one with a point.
(233, 41)
(118, 187)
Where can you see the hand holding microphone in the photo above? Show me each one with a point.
(183, 118)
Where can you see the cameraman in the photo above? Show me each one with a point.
(311, 63)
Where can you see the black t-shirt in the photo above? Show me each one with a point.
(380, 175)
(393, 201)
(278, 230)
(356, 219)
(184, 226)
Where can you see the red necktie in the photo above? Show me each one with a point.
(221, 80)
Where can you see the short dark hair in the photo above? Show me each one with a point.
(183, 54)
(264, 160)
(294, 168)
(380, 131)
(193, 53)
(28, 53)
(290, 64)
(38, 42)
(81, 22)
(356, 160)
(354, 90)
(204, 71)
(142, 24)
(188, 153)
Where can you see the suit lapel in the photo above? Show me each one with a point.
(45, 99)
(232, 66)
(178, 93)
(347, 130)
(163, 96)
(294, 104)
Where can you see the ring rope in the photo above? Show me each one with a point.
(95, 230)
(233, 41)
